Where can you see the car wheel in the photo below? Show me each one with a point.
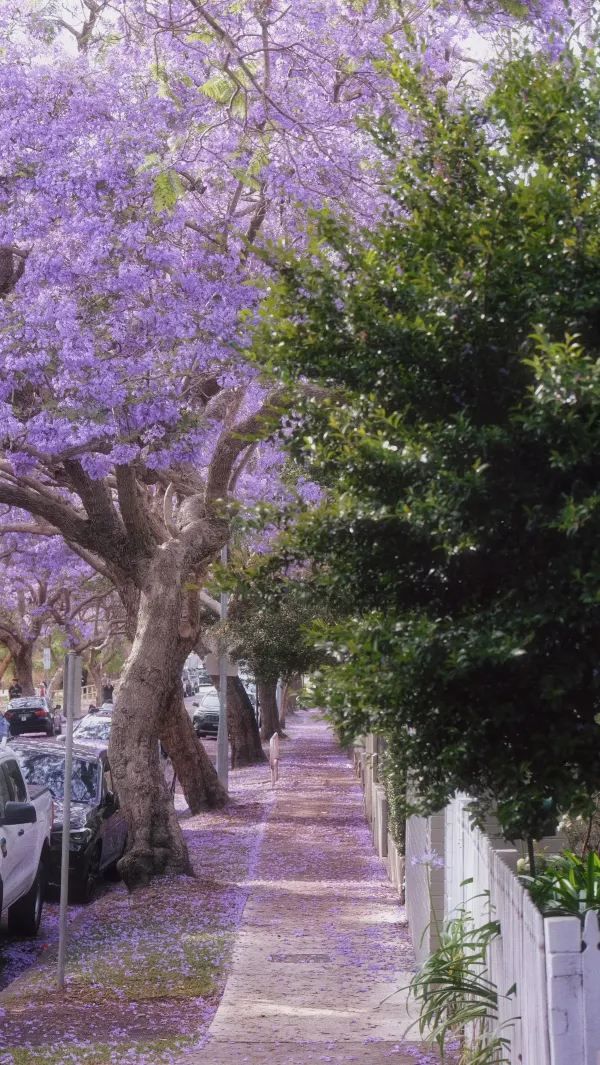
(83, 890)
(50, 729)
(25, 915)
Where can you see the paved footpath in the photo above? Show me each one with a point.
(323, 949)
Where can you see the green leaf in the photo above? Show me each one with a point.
(168, 188)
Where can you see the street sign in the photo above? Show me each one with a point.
(47, 659)
(211, 665)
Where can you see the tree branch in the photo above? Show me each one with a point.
(54, 512)
(133, 512)
(232, 443)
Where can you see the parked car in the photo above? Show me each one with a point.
(98, 828)
(202, 678)
(203, 691)
(206, 716)
(94, 728)
(105, 708)
(33, 713)
(25, 834)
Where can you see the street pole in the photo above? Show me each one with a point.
(222, 738)
(72, 698)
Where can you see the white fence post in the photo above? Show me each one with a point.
(564, 971)
(590, 963)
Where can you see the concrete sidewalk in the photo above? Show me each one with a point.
(323, 952)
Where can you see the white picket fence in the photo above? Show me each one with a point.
(517, 957)
(553, 1016)
(89, 695)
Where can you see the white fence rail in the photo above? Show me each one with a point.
(89, 696)
(553, 1017)
(517, 956)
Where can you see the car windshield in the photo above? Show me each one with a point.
(210, 702)
(93, 728)
(27, 703)
(48, 769)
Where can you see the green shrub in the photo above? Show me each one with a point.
(567, 885)
(454, 992)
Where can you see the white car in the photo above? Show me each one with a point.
(25, 825)
(94, 728)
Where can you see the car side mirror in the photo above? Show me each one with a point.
(195, 704)
(110, 799)
(19, 813)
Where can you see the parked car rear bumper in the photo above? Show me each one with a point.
(17, 728)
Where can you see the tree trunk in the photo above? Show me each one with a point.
(242, 726)
(283, 703)
(246, 748)
(23, 663)
(96, 673)
(155, 845)
(294, 687)
(191, 764)
(4, 664)
(56, 682)
(267, 701)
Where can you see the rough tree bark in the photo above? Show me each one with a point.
(22, 658)
(156, 844)
(192, 766)
(4, 664)
(283, 703)
(242, 726)
(267, 700)
(244, 735)
(294, 687)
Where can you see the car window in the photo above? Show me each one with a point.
(27, 702)
(16, 785)
(210, 702)
(4, 793)
(48, 769)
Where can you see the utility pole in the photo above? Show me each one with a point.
(72, 699)
(222, 736)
